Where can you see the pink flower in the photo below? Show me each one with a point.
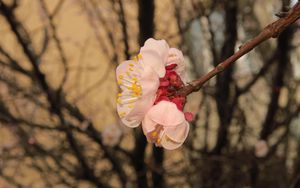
(176, 57)
(139, 84)
(165, 125)
(139, 81)
(111, 135)
(261, 148)
(148, 84)
(155, 54)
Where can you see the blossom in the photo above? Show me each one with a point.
(165, 125)
(111, 135)
(148, 84)
(139, 81)
(261, 148)
(175, 56)
(155, 54)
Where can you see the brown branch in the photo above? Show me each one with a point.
(12, 63)
(270, 31)
(55, 103)
(57, 41)
(122, 20)
(57, 9)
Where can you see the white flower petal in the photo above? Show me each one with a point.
(139, 85)
(175, 56)
(169, 144)
(167, 114)
(161, 47)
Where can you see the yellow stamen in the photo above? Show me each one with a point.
(158, 141)
(119, 101)
(121, 76)
(122, 114)
(131, 64)
(154, 134)
(135, 95)
(139, 56)
(137, 90)
(135, 59)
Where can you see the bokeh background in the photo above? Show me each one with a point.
(58, 122)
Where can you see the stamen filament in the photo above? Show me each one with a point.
(129, 100)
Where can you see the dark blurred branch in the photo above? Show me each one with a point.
(212, 44)
(284, 135)
(272, 30)
(45, 43)
(31, 96)
(93, 133)
(284, 47)
(15, 4)
(158, 159)
(105, 26)
(53, 99)
(51, 16)
(183, 28)
(24, 40)
(261, 73)
(146, 30)
(56, 9)
(7, 118)
(146, 20)
(224, 95)
(11, 180)
(122, 19)
(57, 41)
(13, 63)
(138, 159)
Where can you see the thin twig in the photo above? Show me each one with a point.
(270, 31)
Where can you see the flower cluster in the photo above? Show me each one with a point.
(148, 83)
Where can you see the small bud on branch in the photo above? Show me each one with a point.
(270, 31)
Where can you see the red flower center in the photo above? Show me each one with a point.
(170, 83)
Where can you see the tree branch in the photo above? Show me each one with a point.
(270, 31)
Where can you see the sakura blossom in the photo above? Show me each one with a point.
(139, 81)
(165, 124)
(175, 56)
(261, 148)
(111, 135)
(147, 85)
(168, 130)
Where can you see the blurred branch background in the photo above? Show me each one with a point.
(58, 126)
